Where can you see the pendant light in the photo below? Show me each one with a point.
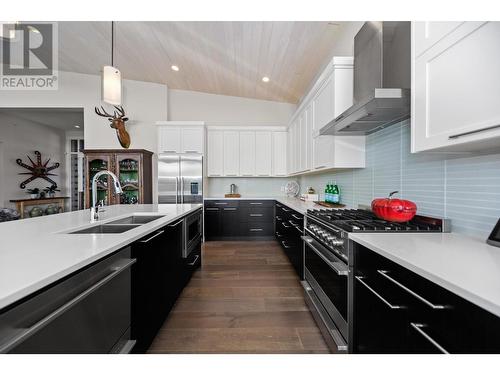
(112, 78)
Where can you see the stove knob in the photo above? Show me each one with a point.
(337, 242)
(329, 238)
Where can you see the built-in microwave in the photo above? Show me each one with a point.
(192, 232)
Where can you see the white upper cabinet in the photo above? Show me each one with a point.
(247, 153)
(231, 153)
(264, 153)
(455, 85)
(181, 137)
(215, 159)
(192, 140)
(279, 148)
(324, 108)
(169, 140)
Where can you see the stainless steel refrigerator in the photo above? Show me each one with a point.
(180, 178)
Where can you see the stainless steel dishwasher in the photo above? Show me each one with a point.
(86, 312)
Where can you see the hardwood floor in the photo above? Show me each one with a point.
(246, 298)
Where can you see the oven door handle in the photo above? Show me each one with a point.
(340, 268)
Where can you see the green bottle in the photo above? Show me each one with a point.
(335, 195)
(327, 193)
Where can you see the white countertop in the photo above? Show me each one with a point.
(34, 252)
(463, 265)
(293, 203)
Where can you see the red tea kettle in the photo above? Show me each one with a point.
(398, 210)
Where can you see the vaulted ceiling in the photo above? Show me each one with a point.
(227, 58)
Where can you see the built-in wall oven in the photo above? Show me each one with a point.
(192, 232)
(326, 274)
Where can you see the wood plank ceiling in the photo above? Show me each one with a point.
(227, 58)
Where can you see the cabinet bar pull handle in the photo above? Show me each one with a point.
(194, 261)
(256, 229)
(297, 217)
(26, 333)
(436, 307)
(212, 208)
(220, 202)
(229, 208)
(174, 225)
(256, 215)
(286, 210)
(284, 245)
(391, 306)
(256, 203)
(455, 136)
(278, 218)
(278, 234)
(191, 152)
(153, 236)
(286, 226)
(418, 327)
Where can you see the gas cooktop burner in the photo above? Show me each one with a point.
(345, 214)
(366, 221)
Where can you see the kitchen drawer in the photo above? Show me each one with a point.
(257, 203)
(88, 312)
(222, 203)
(435, 319)
(257, 229)
(257, 214)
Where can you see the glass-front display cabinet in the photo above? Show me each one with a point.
(133, 169)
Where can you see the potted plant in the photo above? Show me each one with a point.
(34, 193)
(51, 191)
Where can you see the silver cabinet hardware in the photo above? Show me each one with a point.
(436, 307)
(278, 218)
(191, 152)
(256, 229)
(256, 203)
(153, 236)
(26, 333)
(231, 175)
(298, 228)
(194, 261)
(418, 327)
(214, 175)
(229, 208)
(212, 208)
(285, 245)
(455, 136)
(286, 226)
(174, 225)
(278, 235)
(339, 267)
(297, 217)
(221, 203)
(390, 305)
(285, 209)
(256, 215)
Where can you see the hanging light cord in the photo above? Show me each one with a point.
(112, 42)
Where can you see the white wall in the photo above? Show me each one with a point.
(144, 103)
(221, 109)
(20, 138)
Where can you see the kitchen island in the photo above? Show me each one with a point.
(39, 251)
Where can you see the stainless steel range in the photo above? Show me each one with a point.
(328, 262)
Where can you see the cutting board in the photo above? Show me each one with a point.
(329, 205)
(232, 195)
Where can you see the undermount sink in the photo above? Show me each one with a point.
(137, 219)
(106, 228)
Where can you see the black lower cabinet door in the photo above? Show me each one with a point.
(212, 222)
(380, 318)
(155, 282)
(230, 222)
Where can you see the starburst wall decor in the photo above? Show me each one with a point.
(38, 170)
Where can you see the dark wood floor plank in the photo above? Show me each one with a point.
(246, 298)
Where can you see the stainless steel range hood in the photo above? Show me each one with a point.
(381, 80)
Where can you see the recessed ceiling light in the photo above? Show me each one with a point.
(77, 126)
(175, 68)
(265, 79)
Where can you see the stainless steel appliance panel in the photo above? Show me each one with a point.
(168, 178)
(191, 179)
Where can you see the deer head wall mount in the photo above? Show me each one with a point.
(117, 120)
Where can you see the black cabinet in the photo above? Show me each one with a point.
(239, 219)
(288, 230)
(398, 311)
(156, 281)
